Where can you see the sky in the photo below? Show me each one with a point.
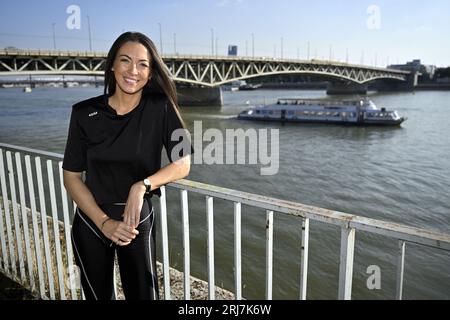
(375, 32)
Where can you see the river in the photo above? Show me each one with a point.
(397, 174)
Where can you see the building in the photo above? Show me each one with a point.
(426, 71)
(232, 50)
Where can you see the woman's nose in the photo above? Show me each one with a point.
(133, 68)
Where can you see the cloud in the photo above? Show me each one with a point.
(226, 3)
(423, 28)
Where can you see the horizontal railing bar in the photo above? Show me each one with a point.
(268, 203)
(389, 229)
(415, 235)
(32, 151)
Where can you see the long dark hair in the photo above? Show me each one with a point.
(160, 80)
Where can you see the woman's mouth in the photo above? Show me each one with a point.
(130, 80)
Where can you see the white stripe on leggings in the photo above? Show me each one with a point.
(82, 266)
(146, 217)
(150, 252)
(79, 214)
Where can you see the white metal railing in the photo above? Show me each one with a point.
(52, 265)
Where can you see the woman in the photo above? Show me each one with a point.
(117, 139)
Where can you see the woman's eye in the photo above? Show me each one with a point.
(124, 60)
(144, 65)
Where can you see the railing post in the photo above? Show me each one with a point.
(165, 243)
(43, 211)
(304, 258)
(11, 256)
(346, 263)
(26, 231)
(400, 269)
(269, 253)
(210, 222)
(3, 242)
(14, 204)
(55, 218)
(186, 248)
(237, 251)
(37, 240)
(67, 228)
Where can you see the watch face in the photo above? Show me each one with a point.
(147, 185)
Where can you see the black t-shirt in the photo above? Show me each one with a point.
(119, 150)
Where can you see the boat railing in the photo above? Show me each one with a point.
(36, 249)
(319, 102)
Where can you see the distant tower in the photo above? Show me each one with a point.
(232, 50)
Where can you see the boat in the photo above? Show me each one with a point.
(233, 86)
(355, 112)
(27, 89)
(249, 86)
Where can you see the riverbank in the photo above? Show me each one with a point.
(11, 290)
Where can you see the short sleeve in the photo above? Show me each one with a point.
(75, 152)
(176, 139)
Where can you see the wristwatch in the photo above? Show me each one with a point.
(148, 186)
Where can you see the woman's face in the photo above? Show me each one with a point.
(132, 67)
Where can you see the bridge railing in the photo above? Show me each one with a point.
(53, 53)
(36, 249)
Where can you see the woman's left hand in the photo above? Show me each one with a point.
(133, 208)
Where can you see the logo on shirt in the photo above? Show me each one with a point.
(93, 114)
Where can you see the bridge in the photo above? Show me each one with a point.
(207, 72)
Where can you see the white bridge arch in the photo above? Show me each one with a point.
(209, 71)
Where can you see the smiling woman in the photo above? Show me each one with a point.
(117, 139)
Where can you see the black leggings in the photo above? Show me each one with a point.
(94, 255)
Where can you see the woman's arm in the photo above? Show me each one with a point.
(84, 199)
(172, 172)
(176, 170)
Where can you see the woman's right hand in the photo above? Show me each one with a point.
(119, 232)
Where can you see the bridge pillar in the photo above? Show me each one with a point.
(408, 85)
(339, 87)
(199, 96)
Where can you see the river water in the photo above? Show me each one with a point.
(397, 174)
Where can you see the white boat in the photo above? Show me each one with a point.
(27, 89)
(356, 112)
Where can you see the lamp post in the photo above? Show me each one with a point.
(253, 45)
(54, 36)
(212, 42)
(175, 43)
(90, 36)
(217, 46)
(307, 57)
(281, 49)
(160, 38)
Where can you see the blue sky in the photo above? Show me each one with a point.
(397, 31)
